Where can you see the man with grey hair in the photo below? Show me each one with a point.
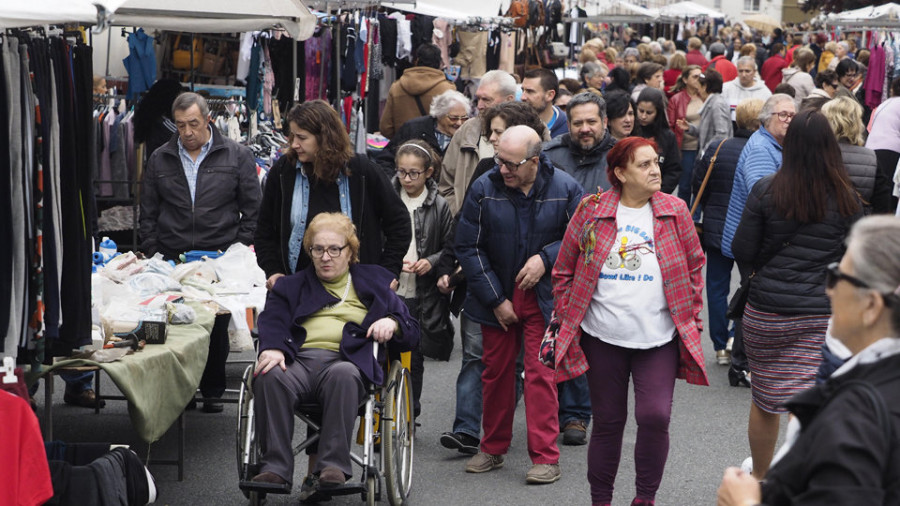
(199, 192)
(760, 157)
(511, 224)
(745, 86)
(468, 146)
(448, 112)
(582, 151)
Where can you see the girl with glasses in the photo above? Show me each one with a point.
(428, 261)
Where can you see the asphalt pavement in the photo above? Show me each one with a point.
(708, 433)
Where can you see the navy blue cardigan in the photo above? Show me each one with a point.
(294, 298)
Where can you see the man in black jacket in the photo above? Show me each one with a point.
(199, 192)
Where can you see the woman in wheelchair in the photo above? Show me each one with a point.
(315, 346)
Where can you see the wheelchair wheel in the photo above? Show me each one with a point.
(246, 446)
(371, 494)
(398, 435)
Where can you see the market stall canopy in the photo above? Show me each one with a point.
(17, 14)
(762, 22)
(878, 15)
(621, 12)
(457, 9)
(214, 16)
(689, 10)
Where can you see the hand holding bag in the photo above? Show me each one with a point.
(547, 351)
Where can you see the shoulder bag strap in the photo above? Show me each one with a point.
(419, 105)
(712, 163)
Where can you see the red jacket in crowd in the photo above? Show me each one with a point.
(724, 67)
(771, 71)
(695, 57)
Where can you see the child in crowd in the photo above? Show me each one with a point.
(424, 281)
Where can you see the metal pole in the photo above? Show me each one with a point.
(294, 84)
(192, 61)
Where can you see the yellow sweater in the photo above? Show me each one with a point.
(325, 327)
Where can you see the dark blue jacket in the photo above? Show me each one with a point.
(489, 233)
(294, 298)
(714, 201)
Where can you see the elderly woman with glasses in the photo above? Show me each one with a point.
(320, 174)
(628, 292)
(841, 445)
(448, 112)
(315, 346)
(788, 237)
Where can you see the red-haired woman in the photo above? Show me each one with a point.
(628, 293)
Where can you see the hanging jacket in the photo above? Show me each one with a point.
(434, 227)
(422, 82)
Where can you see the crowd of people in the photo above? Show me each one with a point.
(553, 218)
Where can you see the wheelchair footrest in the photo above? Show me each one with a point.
(267, 488)
(348, 488)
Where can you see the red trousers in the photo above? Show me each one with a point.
(498, 380)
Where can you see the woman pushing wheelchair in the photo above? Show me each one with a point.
(315, 346)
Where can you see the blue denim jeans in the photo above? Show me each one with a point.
(687, 176)
(574, 401)
(718, 284)
(468, 383)
(77, 382)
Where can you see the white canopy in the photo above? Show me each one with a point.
(456, 9)
(689, 10)
(214, 16)
(876, 14)
(21, 13)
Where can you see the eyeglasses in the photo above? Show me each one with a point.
(851, 76)
(333, 251)
(412, 175)
(511, 166)
(785, 115)
(457, 119)
(833, 85)
(833, 274)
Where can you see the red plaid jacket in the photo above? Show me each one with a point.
(589, 236)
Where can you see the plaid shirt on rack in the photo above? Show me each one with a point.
(590, 235)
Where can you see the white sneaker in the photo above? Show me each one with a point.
(723, 357)
(747, 465)
(729, 344)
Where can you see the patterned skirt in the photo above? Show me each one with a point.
(784, 353)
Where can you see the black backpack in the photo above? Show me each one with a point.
(535, 13)
(554, 12)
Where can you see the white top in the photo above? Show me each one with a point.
(629, 307)
(407, 280)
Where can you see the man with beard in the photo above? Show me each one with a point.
(582, 151)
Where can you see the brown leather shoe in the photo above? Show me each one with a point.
(85, 399)
(268, 477)
(331, 477)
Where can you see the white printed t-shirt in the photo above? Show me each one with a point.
(629, 307)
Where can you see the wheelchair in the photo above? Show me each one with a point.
(386, 433)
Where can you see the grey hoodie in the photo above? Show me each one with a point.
(734, 93)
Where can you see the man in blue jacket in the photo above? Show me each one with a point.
(760, 157)
(511, 225)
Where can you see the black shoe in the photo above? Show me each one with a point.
(212, 407)
(85, 399)
(575, 433)
(191, 405)
(461, 442)
(738, 378)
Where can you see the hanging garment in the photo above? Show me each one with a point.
(388, 40)
(492, 58)
(8, 300)
(874, 85)
(140, 63)
(349, 72)
(318, 64)
(440, 36)
(472, 54)
(253, 80)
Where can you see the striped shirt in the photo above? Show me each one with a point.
(191, 166)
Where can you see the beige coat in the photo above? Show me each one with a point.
(401, 106)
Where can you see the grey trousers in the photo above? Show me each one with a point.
(315, 376)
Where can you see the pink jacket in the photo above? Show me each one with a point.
(591, 232)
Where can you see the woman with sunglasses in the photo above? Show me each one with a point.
(320, 174)
(793, 226)
(841, 445)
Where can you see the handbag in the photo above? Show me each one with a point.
(739, 299)
(698, 226)
(547, 351)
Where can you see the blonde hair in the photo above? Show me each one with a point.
(337, 223)
(677, 61)
(748, 49)
(845, 117)
(747, 113)
(694, 43)
(831, 46)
